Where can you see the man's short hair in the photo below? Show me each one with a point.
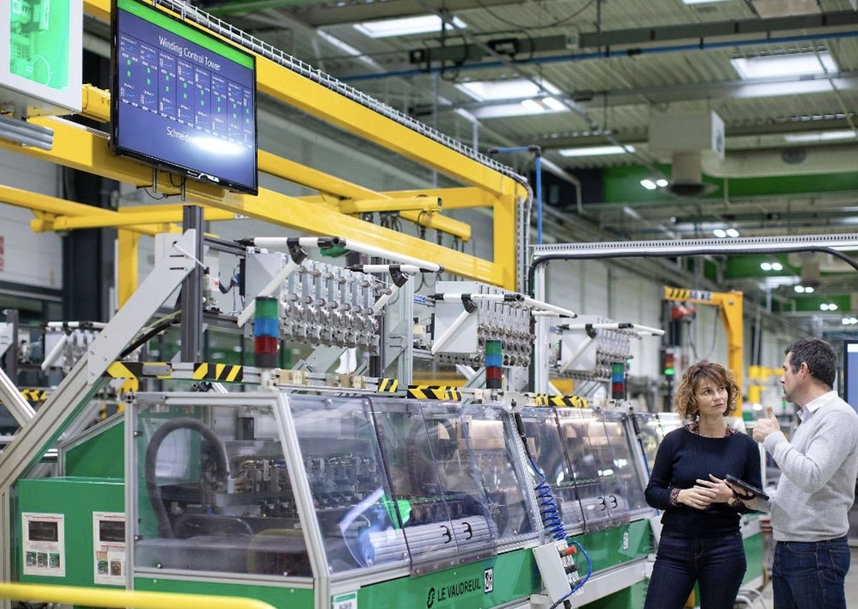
(818, 355)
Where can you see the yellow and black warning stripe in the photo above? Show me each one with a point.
(218, 372)
(434, 392)
(387, 385)
(686, 294)
(34, 396)
(573, 401)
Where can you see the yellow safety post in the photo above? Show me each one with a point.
(100, 597)
(126, 265)
(730, 308)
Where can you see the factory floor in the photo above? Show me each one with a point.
(851, 586)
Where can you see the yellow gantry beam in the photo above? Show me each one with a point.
(131, 219)
(499, 191)
(424, 204)
(60, 209)
(350, 196)
(81, 148)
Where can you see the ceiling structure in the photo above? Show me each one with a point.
(595, 73)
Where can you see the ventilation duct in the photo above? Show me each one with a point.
(684, 140)
(784, 162)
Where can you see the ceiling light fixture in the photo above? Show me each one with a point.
(821, 136)
(766, 266)
(661, 183)
(777, 266)
(720, 233)
(648, 184)
(799, 289)
(732, 232)
(824, 306)
(405, 26)
(595, 151)
(512, 89)
(792, 64)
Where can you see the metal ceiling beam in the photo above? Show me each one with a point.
(634, 40)
(325, 14)
(638, 136)
(636, 96)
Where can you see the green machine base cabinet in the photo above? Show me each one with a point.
(70, 531)
(497, 581)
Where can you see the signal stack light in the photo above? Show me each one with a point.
(494, 363)
(266, 332)
(618, 381)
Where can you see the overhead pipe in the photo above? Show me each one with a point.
(607, 53)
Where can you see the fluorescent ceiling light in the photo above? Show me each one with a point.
(794, 64)
(347, 49)
(732, 232)
(822, 136)
(766, 266)
(661, 183)
(777, 266)
(487, 90)
(538, 97)
(648, 184)
(595, 150)
(720, 233)
(405, 26)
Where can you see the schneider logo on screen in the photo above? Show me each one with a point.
(436, 595)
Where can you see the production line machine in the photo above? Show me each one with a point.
(300, 500)
(304, 490)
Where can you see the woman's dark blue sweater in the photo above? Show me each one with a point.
(682, 458)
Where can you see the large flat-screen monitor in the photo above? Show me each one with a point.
(181, 98)
(850, 372)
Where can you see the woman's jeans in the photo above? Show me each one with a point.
(716, 563)
(806, 575)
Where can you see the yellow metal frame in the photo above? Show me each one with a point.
(758, 375)
(100, 597)
(329, 213)
(730, 307)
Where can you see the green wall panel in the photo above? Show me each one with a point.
(623, 184)
(754, 551)
(76, 499)
(280, 597)
(102, 456)
(514, 576)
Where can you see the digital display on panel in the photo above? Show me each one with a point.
(182, 99)
(850, 372)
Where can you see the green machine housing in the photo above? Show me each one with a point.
(318, 502)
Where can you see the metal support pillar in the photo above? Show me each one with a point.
(540, 347)
(11, 361)
(86, 379)
(192, 291)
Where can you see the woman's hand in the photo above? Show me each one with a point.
(697, 496)
(721, 493)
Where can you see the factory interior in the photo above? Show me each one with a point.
(340, 304)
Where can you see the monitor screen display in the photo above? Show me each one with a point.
(182, 99)
(850, 372)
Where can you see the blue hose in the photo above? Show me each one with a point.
(547, 506)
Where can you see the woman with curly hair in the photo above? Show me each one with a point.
(700, 538)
